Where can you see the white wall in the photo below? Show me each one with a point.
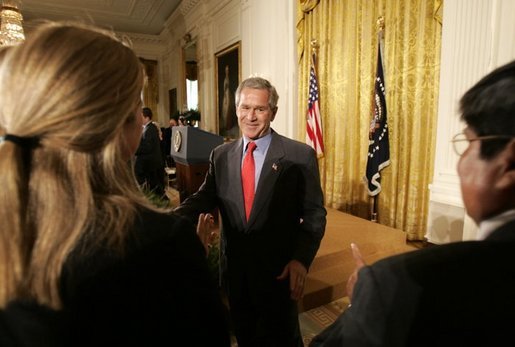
(269, 48)
(477, 36)
(152, 47)
(266, 30)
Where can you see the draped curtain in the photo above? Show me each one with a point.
(346, 32)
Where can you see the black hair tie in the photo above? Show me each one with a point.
(24, 142)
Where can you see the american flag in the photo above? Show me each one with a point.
(314, 135)
(379, 147)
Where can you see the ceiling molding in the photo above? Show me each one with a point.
(142, 38)
(135, 16)
(187, 5)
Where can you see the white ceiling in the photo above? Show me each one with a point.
(134, 16)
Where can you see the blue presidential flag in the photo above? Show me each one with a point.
(378, 147)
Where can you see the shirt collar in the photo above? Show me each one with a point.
(488, 226)
(261, 144)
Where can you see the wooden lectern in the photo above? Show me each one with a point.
(191, 148)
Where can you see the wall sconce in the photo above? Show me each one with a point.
(11, 29)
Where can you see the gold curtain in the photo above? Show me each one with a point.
(346, 31)
(151, 87)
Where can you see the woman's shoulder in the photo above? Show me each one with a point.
(162, 274)
(162, 229)
(27, 323)
(154, 237)
(160, 221)
(152, 244)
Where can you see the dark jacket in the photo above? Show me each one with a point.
(458, 294)
(148, 154)
(288, 192)
(27, 324)
(159, 292)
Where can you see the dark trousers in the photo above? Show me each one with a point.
(153, 180)
(263, 318)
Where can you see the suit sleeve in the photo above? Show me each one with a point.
(383, 307)
(360, 325)
(312, 228)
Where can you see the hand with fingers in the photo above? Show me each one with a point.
(353, 278)
(205, 230)
(297, 274)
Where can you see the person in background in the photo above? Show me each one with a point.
(81, 248)
(148, 163)
(459, 294)
(272, 228)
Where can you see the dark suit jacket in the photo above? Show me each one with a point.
(288, 191)
(148, 154)
(27, 324)
(159, 292)
(167, 141)
(459, 294)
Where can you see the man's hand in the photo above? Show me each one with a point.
(297, 273)
(358, 259)
(205, 231)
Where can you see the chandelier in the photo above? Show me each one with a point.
(11, 29)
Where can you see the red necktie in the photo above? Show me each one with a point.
(248, 177)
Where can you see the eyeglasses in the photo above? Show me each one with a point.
(246, 109)
(460, 142)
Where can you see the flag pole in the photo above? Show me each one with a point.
(314, 48)
(373, 218)
(380, 37)
(376, 112)
(314, 133)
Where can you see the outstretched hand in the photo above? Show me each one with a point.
(358, 259)
(297, 273)
(205, 230)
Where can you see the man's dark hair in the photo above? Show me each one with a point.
(488, 108)
(147, 112)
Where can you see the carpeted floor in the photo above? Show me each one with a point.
(315, 320)
(173, 195)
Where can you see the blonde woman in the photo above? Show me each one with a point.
(77, 235)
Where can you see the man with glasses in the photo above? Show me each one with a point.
(462, 293)
(267, 188)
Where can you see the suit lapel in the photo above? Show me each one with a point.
(269, 174)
